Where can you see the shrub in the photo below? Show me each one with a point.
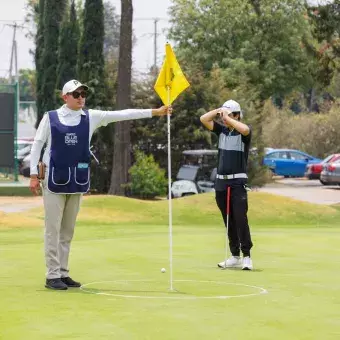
(147, 179)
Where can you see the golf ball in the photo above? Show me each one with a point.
(163, 270)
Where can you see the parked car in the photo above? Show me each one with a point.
(23, 148)
(197, 173)
(288, 162)
(330, 175)
(313, 171)
(24, 168)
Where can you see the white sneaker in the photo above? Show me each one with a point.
(247, 263)
(232, 262)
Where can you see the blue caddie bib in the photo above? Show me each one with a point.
(69, 168)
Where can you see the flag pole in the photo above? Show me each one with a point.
(169, 192)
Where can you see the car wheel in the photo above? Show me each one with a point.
(323, 182)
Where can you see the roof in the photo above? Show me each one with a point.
(200, 152)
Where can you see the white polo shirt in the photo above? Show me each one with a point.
(97, 118)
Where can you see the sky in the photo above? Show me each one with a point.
(143, 53)
(143, 25)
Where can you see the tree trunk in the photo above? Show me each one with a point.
(122, 152)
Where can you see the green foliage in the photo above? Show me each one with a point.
(325, 25)
(256, 42)
(187, 132)
(39, 48)
(91, 71)
(27, 84)
(316, 134)
(53, 15)
(91, 57)
(68, 48)
(147, 179)
(112, 31)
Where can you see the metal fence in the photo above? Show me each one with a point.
(8, 130)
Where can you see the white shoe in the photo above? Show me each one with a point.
(232, 262)
(247, 263)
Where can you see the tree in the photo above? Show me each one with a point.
(47, 63)
(150, 136)
(91, 59)
(256, 43)
(27, 84)
(39, 48)
(147, 179)
(68, 48)
(112, 28)
(121, 155)
(325, 23)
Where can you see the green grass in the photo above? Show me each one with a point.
(123, 243)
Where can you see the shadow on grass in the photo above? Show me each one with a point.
(257, 270)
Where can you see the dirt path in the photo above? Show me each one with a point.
(10, 204)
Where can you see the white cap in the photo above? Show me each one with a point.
(72, 85)
(233, 106)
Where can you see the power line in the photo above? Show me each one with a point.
(12, 20)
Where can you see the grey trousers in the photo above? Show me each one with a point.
(61, 211)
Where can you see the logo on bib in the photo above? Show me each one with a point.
(71, 139)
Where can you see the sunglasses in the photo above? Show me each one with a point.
(76, 94)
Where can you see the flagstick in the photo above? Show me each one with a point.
(169, 190)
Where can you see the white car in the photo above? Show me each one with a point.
(23, 148)
(191, 180)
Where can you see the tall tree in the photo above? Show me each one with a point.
(112, 27)
(122, 148)
(68, 48)
(53, 15)
(256, 42)
(325, 21)
(91, 57)
(27, 84)
(39, 48)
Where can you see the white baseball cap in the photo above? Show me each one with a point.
(233, 106)
(72, 85)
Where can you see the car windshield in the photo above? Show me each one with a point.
(21, 146)
(327, 159)
(187, 172)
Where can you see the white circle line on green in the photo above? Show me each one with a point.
(260, 290)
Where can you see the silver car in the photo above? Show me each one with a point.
(331, 173)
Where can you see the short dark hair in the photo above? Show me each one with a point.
(237, 113)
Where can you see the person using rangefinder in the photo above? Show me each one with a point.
(67, 132)
(231, 180)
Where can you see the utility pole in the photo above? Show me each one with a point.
(14, 59)
(155, 45)
(155, 36)
(14, 54)
(13, 51)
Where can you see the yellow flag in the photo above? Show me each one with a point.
(171, 80)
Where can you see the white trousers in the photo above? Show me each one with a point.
(61, 212)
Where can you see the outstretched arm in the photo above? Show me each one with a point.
(102, 118)
(162, 111)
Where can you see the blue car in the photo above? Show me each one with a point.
(288, 163)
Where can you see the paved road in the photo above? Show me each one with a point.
(305, 190)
